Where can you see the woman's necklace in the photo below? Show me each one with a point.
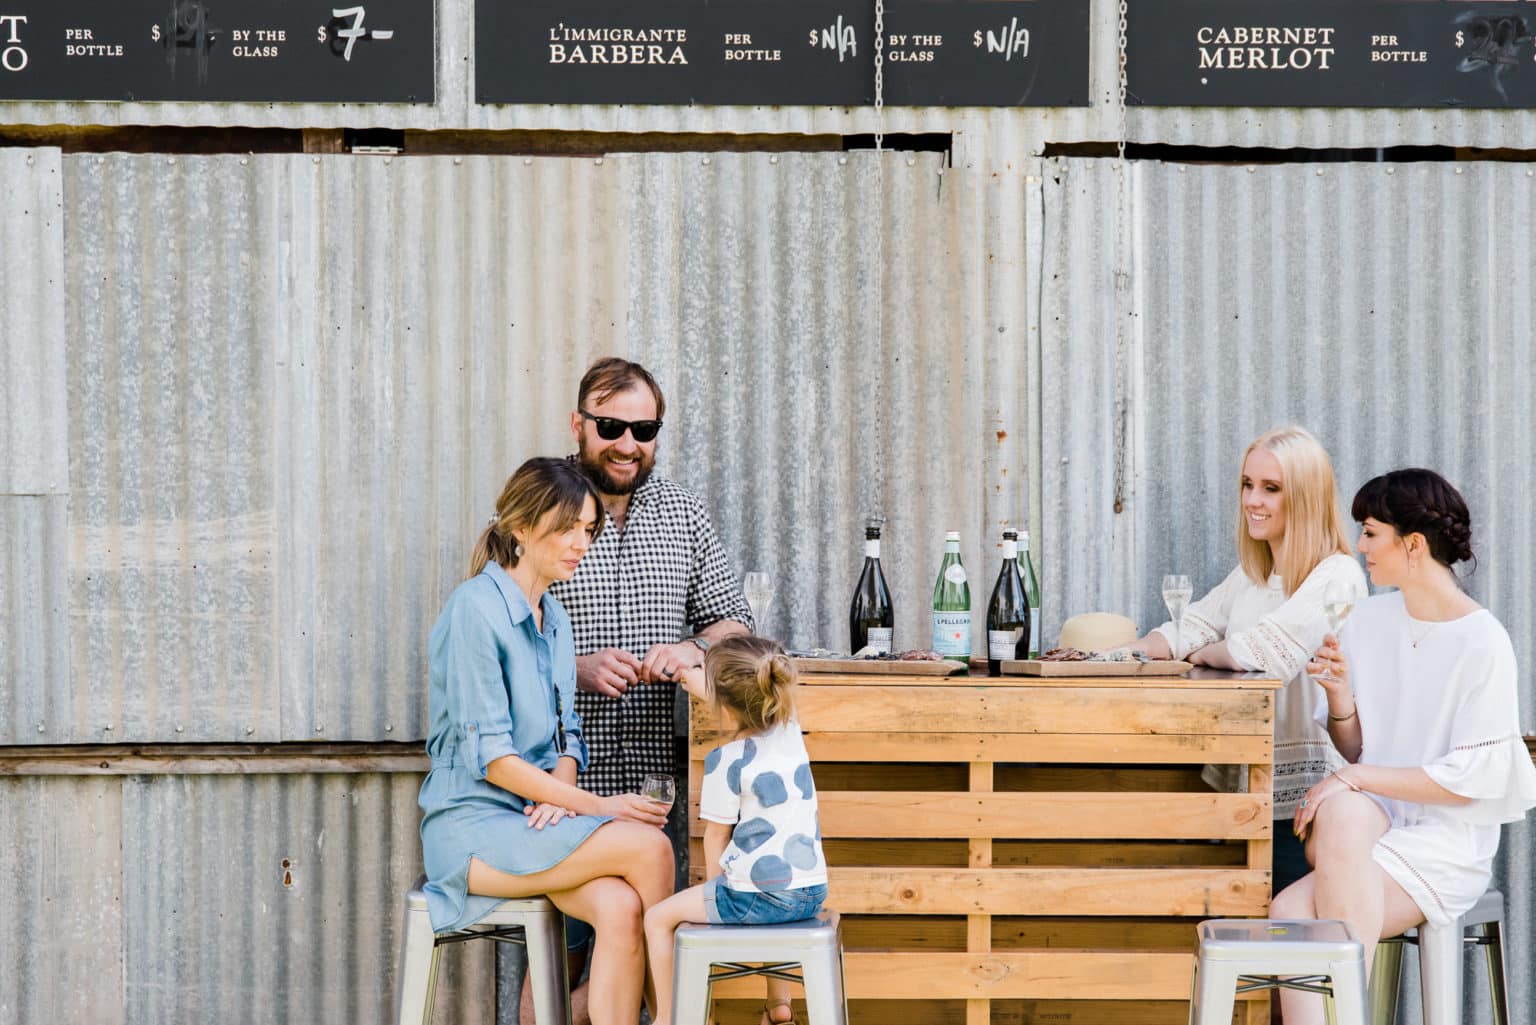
(1414, 643)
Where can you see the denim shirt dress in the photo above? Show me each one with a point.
(494, 685)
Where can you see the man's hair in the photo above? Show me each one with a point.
(611, 375)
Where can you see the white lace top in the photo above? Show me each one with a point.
(1267, 632)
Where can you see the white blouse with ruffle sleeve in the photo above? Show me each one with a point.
(1267, 632)
(1440, 696)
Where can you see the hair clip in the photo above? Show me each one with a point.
(492, 521)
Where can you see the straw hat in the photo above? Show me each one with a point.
(1097, 631)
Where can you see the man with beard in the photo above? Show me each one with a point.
(653, 592)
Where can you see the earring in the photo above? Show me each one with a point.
(517, 550)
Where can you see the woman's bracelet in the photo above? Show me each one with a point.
(1346, 782)
(1344, 718)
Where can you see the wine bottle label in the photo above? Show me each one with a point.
(955, 574)
(1010, 550)
(952, 633)
(872, 548)
(1034, 630)
(880, 639)
(1003, 645)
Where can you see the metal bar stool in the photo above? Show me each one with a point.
(816, 945)
(1440, 953)
(1246, 955)
(533, 922)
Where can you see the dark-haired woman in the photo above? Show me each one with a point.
(503, 816)
(1421, 700)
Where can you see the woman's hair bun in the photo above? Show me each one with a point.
(1419, 501)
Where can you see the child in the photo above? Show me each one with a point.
(762, 843)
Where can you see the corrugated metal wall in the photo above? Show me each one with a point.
(278, 444)
(1385, 307)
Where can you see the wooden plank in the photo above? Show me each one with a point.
(1140, 779)
(1199, 678)
(1203, 892)
(978, 931)
(1261, 851)
(1132, 748)
(1122, 933)
(1054, 709)
(213, 759)
(1122, 854)
(1003, 1012)
(1020, 975)
(1040, 815)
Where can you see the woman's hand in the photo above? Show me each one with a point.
(541, 815)
(1306, 811)
(1330, 669)
(634, 808)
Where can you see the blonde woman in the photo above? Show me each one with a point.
(1267, 615)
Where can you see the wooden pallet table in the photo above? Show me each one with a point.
(1024, 849)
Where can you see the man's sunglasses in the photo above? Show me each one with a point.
(611, 428)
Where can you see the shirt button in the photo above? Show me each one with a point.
(471, 727)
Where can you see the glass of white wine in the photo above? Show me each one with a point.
(659, 787)
(1176, 595)
(1338, 603)
(757, 586)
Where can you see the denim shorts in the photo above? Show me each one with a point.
(726, 906)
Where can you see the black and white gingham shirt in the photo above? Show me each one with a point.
(665, 573)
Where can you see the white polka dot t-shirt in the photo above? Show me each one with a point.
(762, 785)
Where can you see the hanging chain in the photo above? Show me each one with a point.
(879, 263)
(879, 76)
(1122, 276)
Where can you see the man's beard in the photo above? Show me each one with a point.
(597, 469)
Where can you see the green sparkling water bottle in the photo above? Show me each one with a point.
(952, 604)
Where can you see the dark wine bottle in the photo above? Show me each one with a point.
(1008, 611)
(871, 618)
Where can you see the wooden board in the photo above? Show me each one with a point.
(1035, 667)
(880, 667)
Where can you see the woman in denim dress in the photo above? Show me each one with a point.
(502, 815)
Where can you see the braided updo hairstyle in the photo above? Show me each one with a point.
(1418, 501)
(753, 679)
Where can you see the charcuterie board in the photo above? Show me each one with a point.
(1035, 667)
(880, 666)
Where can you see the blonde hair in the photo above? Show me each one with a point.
(1314, 530)
(539, 485)
(751, 678)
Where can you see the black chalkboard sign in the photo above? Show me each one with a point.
(285, 51)
(804, 52)
(1332, 53)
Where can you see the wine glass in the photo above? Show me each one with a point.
(659, 787)
(1176, 595)
(757, 586)
(1338, 603)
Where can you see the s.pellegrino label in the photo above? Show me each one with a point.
(952, 604)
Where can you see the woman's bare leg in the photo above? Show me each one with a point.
(640, 855)
(637, 856)
(1347, 885)
(661, 921)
